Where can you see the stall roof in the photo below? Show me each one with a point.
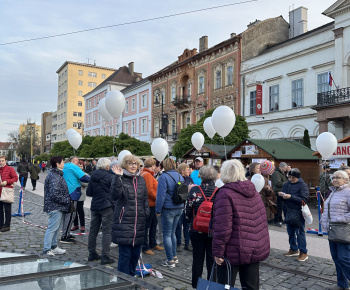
(281, 149)
(219, 150)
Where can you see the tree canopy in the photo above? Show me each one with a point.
(184, 143)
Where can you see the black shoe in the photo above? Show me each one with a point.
(178, 249)
(70, 237)
(33, 188)
(187, 248)
(278, 224)
(93, 257)
(5, 229)
(107, 260)
(67, 241)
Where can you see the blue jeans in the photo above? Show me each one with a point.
(170, 219)
(186, 226)
(341, 257)
(55, 221)
(297, 239)
(128, 258)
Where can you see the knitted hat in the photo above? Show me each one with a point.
(294, 173)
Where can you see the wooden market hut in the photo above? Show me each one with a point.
(279, 150)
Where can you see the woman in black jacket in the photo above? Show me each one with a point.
(201, 241)
(129, 191)
(101, 210)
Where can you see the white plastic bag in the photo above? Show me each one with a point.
(306, 213)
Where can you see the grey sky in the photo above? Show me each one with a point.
(28, 70)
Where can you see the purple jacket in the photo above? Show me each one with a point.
(240, 231)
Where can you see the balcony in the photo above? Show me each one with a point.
(333, 97)
(182, 101)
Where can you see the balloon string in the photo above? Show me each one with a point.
(225, 149)
(211, 144)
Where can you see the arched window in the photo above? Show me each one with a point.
(217, 77)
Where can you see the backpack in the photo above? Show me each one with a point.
(181, 191)
(202, 220)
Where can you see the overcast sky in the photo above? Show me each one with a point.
(28, 76)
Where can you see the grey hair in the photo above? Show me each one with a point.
(232, 171)
(283, 164)
(344, 167)
(208, 172)
(343, 173)
(72, 157)
(103, 163)
(114, 163)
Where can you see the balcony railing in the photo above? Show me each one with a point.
(333, 97)
(181, 100)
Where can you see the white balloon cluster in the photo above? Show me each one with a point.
(74, 138)
(112, 106)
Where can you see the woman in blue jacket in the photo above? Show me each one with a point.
(294, 192)
(170, 212)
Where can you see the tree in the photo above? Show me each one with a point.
(306, 139)
(184, 144)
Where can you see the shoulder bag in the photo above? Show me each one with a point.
(7, 194)
(338, 232)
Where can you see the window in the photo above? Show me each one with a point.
(80, 72)
(104, 131)
(80, 114)
(80, 93)
(80, 83)
(201, 85)
(80, 104)
(65, 93)
(143, 126)
(88, 119)
(189, 92)
(95, 117)
(94, 101)
(173, 89)
(75, 125)
(133, 129)
(65, 104)
(92, 74)
(75, 114)
(126, 106)
(229, 76)
(218, 79)
(253, 103)
(322, 83)
(58, 107)
(274, 98)
(98, 131)
(111, 131)
(103, 76)
(99, 97)
(117, 129)
(59, 79)
(64, 114)
(297, 93)
(133, 104)
(126, 128)
(156, 129)
(92, 84)
(144, 101)
(65, 73)
(89, 104)
(188, 121)
(173, 127)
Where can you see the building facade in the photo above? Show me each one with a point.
(46, 128)
(74, 81)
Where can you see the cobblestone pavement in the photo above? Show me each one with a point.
(277, 272)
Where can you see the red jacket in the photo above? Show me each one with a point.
(8, 174)
(151, 184)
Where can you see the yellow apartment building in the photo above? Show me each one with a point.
(74, 81)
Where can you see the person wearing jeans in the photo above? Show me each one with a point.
(56, 205)
(101, 210)
(170, 212)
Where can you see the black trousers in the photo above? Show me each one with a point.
(278, 215)
(248, 275)
(150, 241)
(5, 208)
(33, 182)
(81, 214)
(202, 245)
(24, 180)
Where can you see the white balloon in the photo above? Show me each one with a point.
(326, 144)
(122, 154)
(258, 181)
(75, 139)
(115, 103)
(208, 127)
(160, 148)
(223, 120)
(197, 140)
(69, 131)
(103, 111)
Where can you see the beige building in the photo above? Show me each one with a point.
(33, 131)
(74, 80)
(46, 127)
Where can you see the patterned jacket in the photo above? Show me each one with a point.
(56, 195)
(325, 182)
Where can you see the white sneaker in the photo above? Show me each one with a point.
(49, 253)
(58, 251)
(113, 245)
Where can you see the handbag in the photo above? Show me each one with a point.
(306, 213)
(210, 285)
(338, 232)
(7, 195)
(293, 217)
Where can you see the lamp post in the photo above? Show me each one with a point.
(164, 118)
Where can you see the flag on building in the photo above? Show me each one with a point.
(330, 79)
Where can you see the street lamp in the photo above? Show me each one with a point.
(164, 119)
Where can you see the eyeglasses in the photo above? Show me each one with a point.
(132, 163)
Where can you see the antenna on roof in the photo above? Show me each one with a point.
(94, 62)
(88, 60)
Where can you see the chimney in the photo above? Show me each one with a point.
(233, 35)
(203, 43)
(131, 67)
(297, 21)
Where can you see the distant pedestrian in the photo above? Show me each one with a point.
(56, 205)
(94, 166)
(23, 170)
(34, 171)
(278, 178)
(325, 182)
(80, 216)
(43, 166)
(198, 162)
(87, 167)
(8, 178)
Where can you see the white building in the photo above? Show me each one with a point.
(292, 73)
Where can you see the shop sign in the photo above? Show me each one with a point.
(202, 154)
(249, 150)
(337, 162)
(236, 154)
(343, 150)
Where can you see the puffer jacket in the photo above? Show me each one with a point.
(240, 231)
(299, 192)
(339, 209)
(99, 189)
(7, 173)
(23, 169)
(278, 178)
(131, 209)
(152, 185)
(56, 195)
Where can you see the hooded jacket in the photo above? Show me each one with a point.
(99, 189)
(151, 184)
(131, 209)
(34, 171)
(240, 231)
(23, 169)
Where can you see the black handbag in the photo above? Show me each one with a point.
(293, 217)
(338, 232)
